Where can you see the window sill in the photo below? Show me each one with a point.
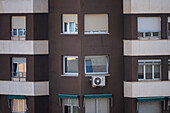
(68, 33)
(89, 75)
(70, 75)
(96, 33)
(149, 80)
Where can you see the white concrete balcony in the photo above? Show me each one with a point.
(146, 47)
(24, 88)
(23, 47)
(146, 6)
(146, 89)
(23, 6)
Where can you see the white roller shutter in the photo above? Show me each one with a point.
(150, 107)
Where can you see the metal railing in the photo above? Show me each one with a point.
(18, 76)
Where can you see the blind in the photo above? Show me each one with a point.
(149, 24)
(70, 18)
(19, 60)
(168, 19)
(96, 22)
(19, 105)
(18, 22)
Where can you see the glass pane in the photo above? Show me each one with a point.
(140, 34)
(90, 106)
(20, 32)
(14, 33)
(155, 33)
(156, 71)
(72, 26)
(15, 69)
(67, 109)
(65, 27)
(140, 72)
(148, 69)
(75, 109)
(168, 29)
(71, 65)
(18, 105)
(95, 64)
(103, 105)
(147, 34)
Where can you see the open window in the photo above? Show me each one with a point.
(149, 69)
(168, 27)
(70, 23)
(149, 28)
(18, 28)
(96, 64)
(70, 65)
(96, 23)
(18, 69)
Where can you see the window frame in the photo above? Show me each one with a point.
(153, 72)
(96, 100)
(100, 32)
(25, 105)
(168, 69)
(69, 74)
(168, 27)
(68, 24)
(24, 73)
(70, 105)
(95, 73)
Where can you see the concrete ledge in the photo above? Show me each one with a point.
(146, 89)
(23, 47)
(23, 6)
(146, 6)
(146, 48)
(24, 88)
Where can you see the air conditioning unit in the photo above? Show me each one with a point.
(98, 81)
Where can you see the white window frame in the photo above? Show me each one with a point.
(97, 104)
(144, 69)
(168, 22)
(69, 74)
(69, 104)
(18, 100)
(107, 66)
(68, 23)
(99, 32)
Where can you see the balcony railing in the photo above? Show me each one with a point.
(18, 34)
(19, 76)
(149, 36)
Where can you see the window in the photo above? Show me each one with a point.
(96, 64)
(169, 69)
(70, 23)
(149, 69)
(70, 66)
(149, 28)
(97, 105)
(168, 27)
(19, 69)
(96, 23)
(70, 105)
(18, 31)
(18, 106)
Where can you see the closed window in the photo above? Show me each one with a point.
(169, 69)
(149, 69)
(70, 23)
(70, 105)
(97, 105)
(70, 65)
(96, 23)
(19, 69)
(18, 106)
(96, 64)
(149, 28)
(18, 31)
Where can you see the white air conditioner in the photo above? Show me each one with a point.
(98, 81)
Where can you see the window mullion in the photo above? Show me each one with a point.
(144, 72)
(153, 72)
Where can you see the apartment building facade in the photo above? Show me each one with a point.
(84, 56)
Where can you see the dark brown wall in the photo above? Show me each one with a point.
(130, 105)
(81, 45)
(131, 67)
(36, 26)
(131, 27)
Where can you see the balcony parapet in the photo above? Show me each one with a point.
(23, 47)
(23, 6)
(24, 88)
(146, 47)
(146, 89)
(146, 6)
